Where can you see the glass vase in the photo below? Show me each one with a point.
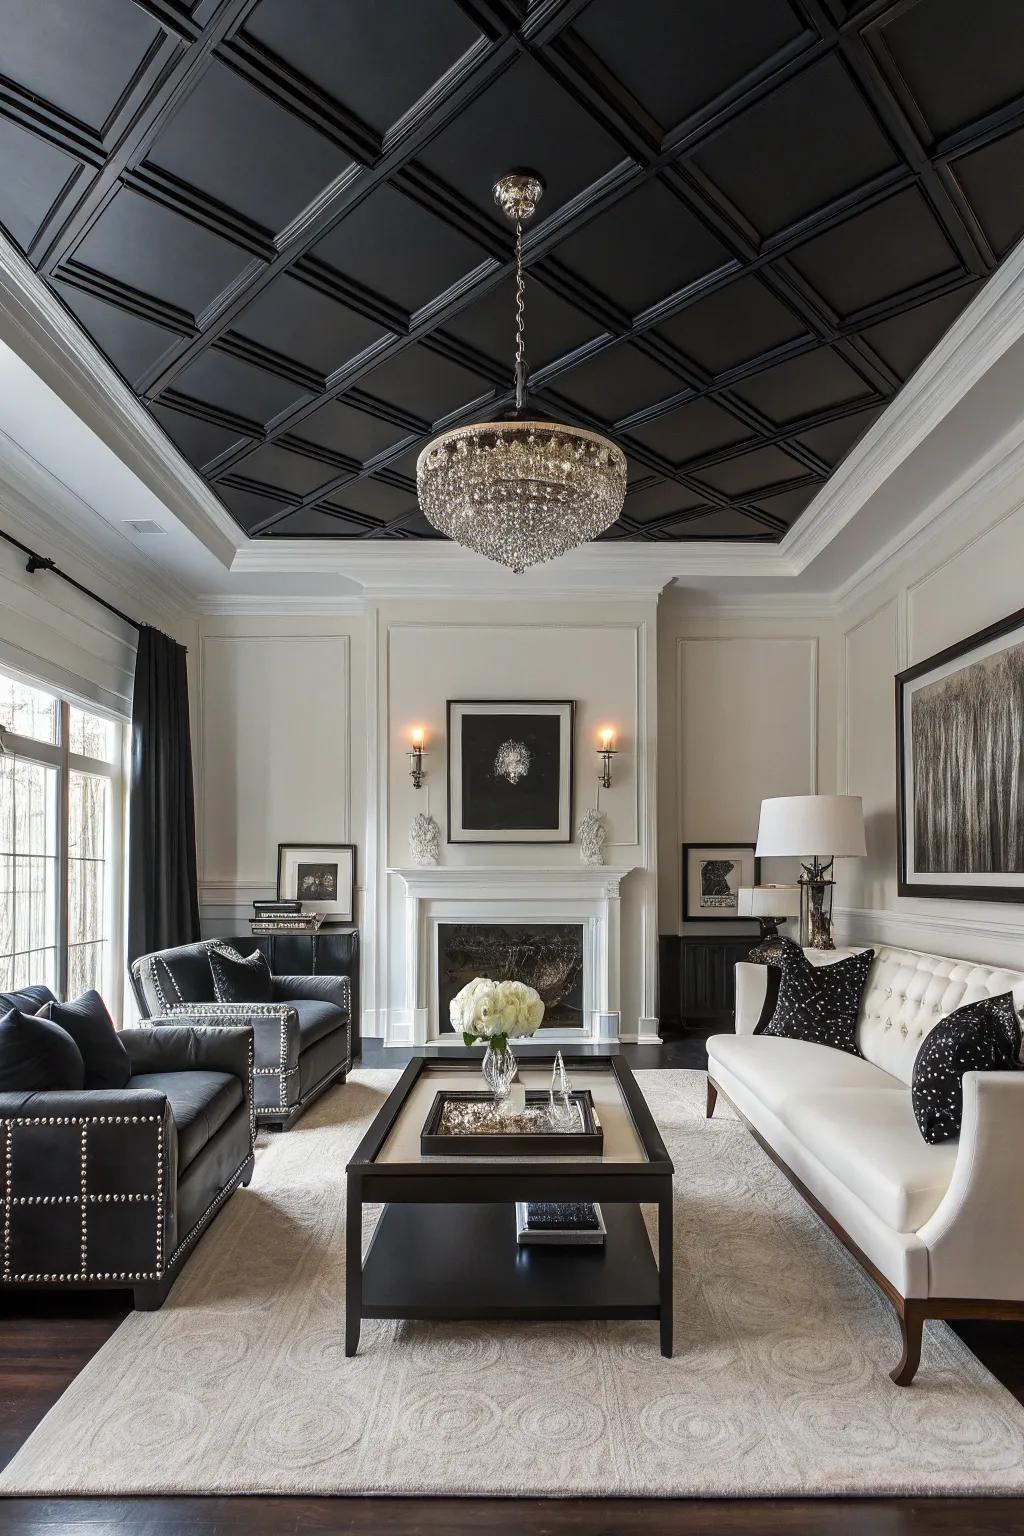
(499, 1069)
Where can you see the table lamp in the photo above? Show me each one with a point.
(818, 828)
(771, 905)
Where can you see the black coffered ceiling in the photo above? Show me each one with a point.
(274, 218)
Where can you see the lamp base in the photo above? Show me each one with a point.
(772, 945)
(816, 887)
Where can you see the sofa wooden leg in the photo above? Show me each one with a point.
(712, 1100)
(911, 1331)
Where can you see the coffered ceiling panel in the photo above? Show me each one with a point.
(275, 218)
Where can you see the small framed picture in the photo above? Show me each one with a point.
(510, 765)
(320, 875)
(712, 876)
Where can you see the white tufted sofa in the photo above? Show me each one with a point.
(939, 1228)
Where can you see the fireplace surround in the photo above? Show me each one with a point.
(521, 901)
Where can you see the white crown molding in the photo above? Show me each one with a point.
(978, 486)
(37, 501)
(990, 324)
(402, 569)
(215, 605)
(754, 607)
(37, 327)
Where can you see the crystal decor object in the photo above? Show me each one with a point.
(520, 490)
(560, 1105)
(499, 1069)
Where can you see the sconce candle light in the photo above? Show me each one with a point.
(416, 755)
(607, 750)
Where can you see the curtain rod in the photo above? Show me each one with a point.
(41, 563)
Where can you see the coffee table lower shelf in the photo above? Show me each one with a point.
(432, 1262)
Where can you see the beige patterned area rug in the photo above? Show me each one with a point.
(779, 1383)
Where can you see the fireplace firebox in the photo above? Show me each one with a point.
(547, 956)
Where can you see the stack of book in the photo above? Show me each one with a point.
(283, 917)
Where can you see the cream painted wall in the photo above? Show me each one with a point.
(965, 576)
(280, 728)
(746, 709)
(600, 654)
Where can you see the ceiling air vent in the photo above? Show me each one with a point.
(144, 525)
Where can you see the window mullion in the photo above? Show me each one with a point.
(63, 833)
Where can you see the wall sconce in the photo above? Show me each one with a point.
(416, 754)
(606, 750)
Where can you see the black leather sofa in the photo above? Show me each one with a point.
(109, 1188)
(302, 1038)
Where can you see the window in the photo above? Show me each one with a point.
(60, 838)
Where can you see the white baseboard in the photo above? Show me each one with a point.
(372, 1025)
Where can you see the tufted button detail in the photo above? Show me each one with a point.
(903, 1029)
(888, 1023)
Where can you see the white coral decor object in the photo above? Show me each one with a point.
(495, 1011)
(593, 836)
(424, 840)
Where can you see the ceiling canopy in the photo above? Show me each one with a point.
(274, 218)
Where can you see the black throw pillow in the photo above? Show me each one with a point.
(820, 1003)
(979, 1037)
(90, 1026)
(240, 980)
(37, 1055)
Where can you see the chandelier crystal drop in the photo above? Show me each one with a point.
(520, 489)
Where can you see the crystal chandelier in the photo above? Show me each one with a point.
(521, 489)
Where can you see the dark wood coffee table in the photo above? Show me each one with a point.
(445, 1245)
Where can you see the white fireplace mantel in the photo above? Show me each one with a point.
(493, 879)
(585, 894)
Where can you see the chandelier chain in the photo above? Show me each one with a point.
(520, 320)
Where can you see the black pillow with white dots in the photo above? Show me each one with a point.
(820, 1003)
(984, 1036)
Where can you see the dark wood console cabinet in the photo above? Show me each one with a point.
(697, 977)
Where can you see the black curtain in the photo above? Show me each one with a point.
(163, 896)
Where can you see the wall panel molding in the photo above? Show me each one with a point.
(266, 734)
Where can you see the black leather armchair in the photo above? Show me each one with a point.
(112, 1187)
(302, 1038)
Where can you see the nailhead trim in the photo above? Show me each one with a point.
(210, 1211)
(150, 964)
(233, 1011)
(84, 1198)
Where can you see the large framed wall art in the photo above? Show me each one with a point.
(960, 767)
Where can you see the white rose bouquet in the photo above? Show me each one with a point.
(492, 1012)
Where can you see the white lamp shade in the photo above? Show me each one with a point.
(799, 826)
(768, 901)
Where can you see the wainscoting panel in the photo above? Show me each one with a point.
(274, 754)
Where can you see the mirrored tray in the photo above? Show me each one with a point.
(466, 1124)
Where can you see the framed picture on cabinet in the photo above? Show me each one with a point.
(712, 876)
(510, 767)
(320, 875)
(960, 768)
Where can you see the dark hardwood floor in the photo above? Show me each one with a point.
(46, 1340)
